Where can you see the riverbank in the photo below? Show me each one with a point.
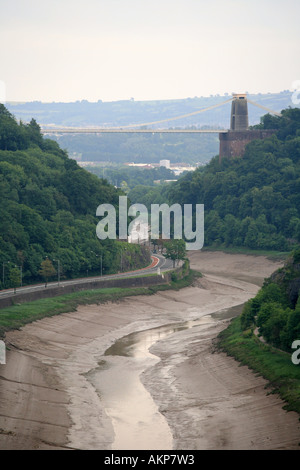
(48, 400)
(145, 277)
(273, 364)
(18, 315)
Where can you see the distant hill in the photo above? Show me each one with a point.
(121, 113)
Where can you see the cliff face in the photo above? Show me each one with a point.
(289, 277)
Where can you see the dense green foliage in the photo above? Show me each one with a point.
(148, 195)
(175, 250)
(275, 310)
(48, 207)
(253, 201)
(141, 148)
(129, 177)
(274, 365)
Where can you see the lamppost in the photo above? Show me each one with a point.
(122, 258)
(21, 274)
(97, 256)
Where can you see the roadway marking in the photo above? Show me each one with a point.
(155, 261)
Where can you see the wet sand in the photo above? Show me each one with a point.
(58, 384)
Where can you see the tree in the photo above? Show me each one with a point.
(15, 277)
(34, 132)
(47, 270)
(251, 239)
(125, 188)
(175, 250)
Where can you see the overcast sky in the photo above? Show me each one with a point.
(68, 50)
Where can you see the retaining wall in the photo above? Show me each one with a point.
(141, 281)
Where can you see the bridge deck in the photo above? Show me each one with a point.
(131, 131)
(144, 128)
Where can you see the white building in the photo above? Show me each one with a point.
(165, 163)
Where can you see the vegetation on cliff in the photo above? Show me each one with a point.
(275, 310)
(262, 336)
(253, 201)
(273, 364)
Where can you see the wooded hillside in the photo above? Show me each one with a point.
(48, 207)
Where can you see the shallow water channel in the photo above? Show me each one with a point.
(135, 417)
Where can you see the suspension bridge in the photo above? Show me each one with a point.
(145, 128)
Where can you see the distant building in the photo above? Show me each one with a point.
(147, 166)
(180, 168)
(165, 163)
(163, 181)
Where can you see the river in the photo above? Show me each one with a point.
(136, 419)
(143, 373)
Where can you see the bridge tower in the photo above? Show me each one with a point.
(239, 113)
(233, 142)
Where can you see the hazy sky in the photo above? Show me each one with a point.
(68, 50)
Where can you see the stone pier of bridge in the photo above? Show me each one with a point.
(233, 142)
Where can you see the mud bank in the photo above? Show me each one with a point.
(55, 384)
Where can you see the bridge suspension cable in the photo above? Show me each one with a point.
(175, 118)
(130, 126)
(145, 124)
(263, 107)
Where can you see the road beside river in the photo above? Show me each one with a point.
(65, 376)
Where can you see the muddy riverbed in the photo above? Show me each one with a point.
(143, 373)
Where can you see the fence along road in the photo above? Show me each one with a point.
(159, 262)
